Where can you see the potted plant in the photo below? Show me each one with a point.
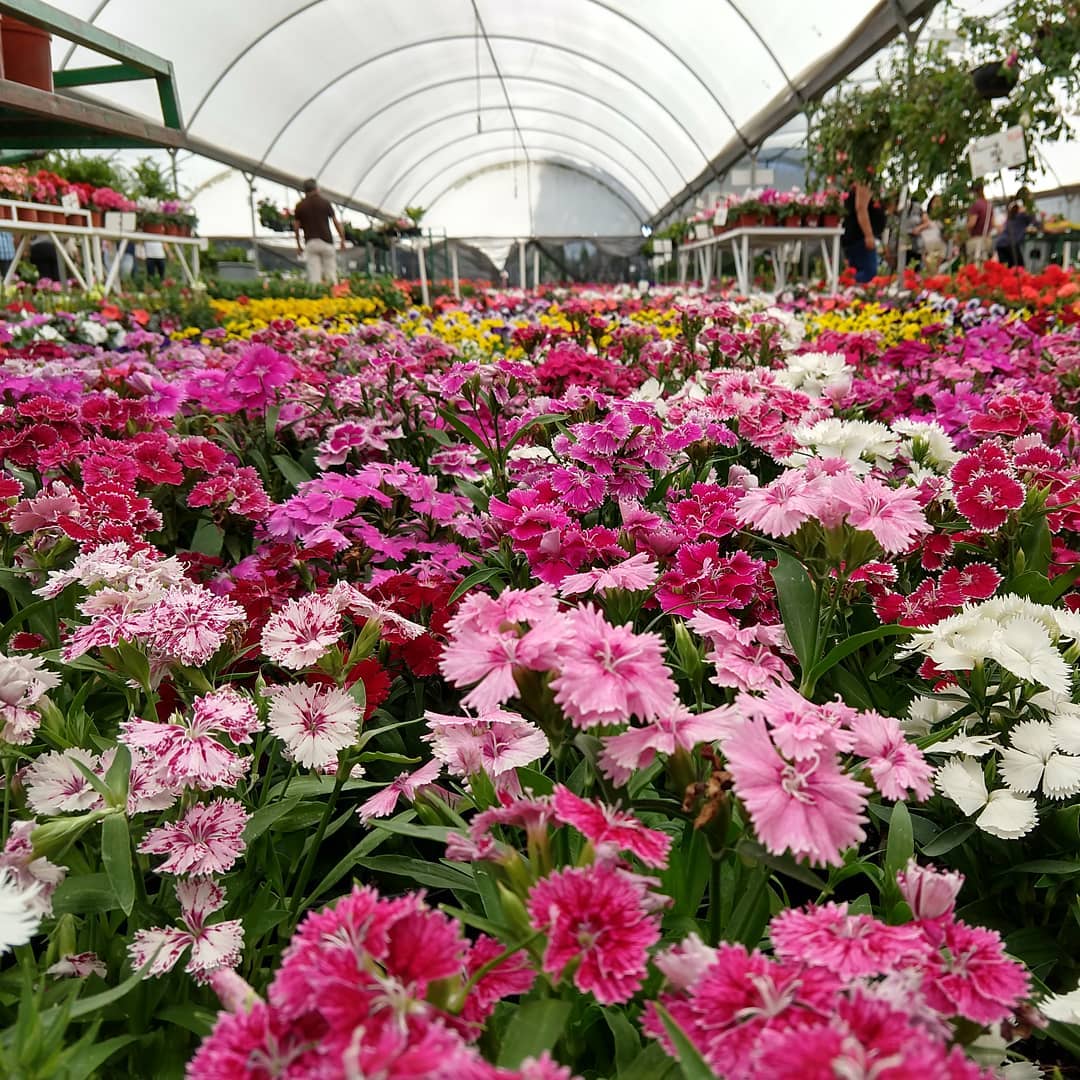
(13, 185)
(997, 78)
(832, 208)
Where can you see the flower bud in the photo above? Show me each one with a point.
(929, 893)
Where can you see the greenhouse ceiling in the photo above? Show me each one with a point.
(395, 103)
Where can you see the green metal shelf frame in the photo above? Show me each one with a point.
(133, 63)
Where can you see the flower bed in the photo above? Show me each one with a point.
(546, 686)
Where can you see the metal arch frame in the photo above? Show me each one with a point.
(444, 38)
(610, 9)
(410, 167)
(472, 111)
(768, 50)
(604, 165)
(570, 166)
(513, 78)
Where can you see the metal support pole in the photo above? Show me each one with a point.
(250, 178)
(521, 264)
(454, 270)
(175, 177)
(536, 266)
(425, 293)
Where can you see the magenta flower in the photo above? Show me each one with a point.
(897, 766)
(848, 945)
(930, 893)
(595, 917)
(634, 574)
(406, 784)
(809, 806)
(495, 742)
(779, 508)
(972, 977)
(609, 673)
(677, 729)
(987, 500)
(208, 839)
(892, 515)
(605, 827)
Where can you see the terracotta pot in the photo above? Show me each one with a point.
(747, 221)
(810, 221)
(5, 211)
(172, 229)
(185, 230)
(74, 219)
(792, 221)
(27, 54)
(156, 227)
(97, 218)
(27, 215)
(769, 220)
(58, 217)
(830, 221)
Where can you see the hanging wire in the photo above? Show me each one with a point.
(479, 122)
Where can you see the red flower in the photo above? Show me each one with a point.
(986, 501)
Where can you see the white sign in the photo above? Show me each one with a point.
(1003, 150)
(114, 221)
(70, 202)
(662, 247)
(739, 178)
(720, 217)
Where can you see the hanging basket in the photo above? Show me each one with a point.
(27, 54)
(993, 80)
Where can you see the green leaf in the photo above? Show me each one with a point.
(208, 539)
(847, 647)
(407, 828)
(421, 872)
(798, 602)
(693, 1065)
(479, 577)
(470, 436)
(476, 495)
(537, 421)
(270, 423)
(751, 913)
(785, 864)
(119, 776)
(89, 1059)
(625, 1037)
(1045, 866)
(264, 817)
(86, 1006)
(21, 616)
(534, 1028)
(116, 855)
(84, 894)
(190, 1017)
(653, 1063)
(1035, 543)
(292, 470)
(901, 843)
(951, 837)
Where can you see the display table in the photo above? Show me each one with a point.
(778, 240)
(1063, 243)
(91, 273)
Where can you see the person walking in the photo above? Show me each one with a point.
(312, 216)
(979, 222)
(931, 239)
(1008, 245)
(864, 222)
(7, 253)
(155, 259)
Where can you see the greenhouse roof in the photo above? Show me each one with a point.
(398, 104)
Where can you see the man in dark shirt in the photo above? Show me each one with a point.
(313, 215)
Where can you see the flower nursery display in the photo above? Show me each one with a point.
(581, 683)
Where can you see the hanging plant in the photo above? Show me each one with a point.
(996, 79)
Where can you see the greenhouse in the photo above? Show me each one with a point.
(540, 542)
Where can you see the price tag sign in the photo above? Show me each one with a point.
(70, 202)
(1002, 150)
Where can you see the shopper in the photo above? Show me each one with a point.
(7, 253)
(155, 259)
(864, 222)
(313, 215)
(1008, 246)
(931, 240)
(913, 219)
(979, 222)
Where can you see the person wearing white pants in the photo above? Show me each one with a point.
(312, 216)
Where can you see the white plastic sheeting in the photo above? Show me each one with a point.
(397, 102)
